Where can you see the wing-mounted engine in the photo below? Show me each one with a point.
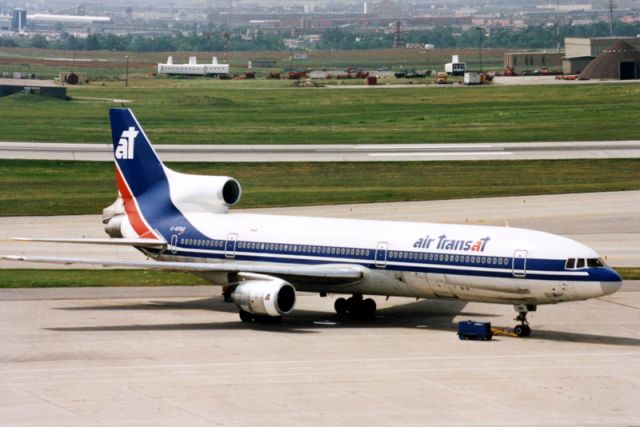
(201, 193)
(265, 297)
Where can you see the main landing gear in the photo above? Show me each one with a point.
(523, 329)
(247, 317)
(356, 306)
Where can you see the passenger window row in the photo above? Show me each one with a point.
(456, 259)
(279, 247)
(202, 243)
(304, 249)
(333, 250)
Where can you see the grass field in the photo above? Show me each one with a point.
(31, 278)
(260, 112)
(57, 187)
(25, 278)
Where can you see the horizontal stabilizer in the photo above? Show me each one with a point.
(344, 272)
(142, 243)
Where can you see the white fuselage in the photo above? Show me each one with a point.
(424, 260)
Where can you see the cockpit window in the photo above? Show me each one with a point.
(575, 263)
(595, 262)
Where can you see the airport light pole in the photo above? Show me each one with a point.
(126, 75)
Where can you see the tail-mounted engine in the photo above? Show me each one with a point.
(200, 193)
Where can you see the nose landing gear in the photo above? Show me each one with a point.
(523, 329)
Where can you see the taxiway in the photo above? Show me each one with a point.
(334, 153)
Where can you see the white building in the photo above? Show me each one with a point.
(193, 68)
(455, 67)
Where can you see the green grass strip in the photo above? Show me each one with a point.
(32, 278)
(228, 112)
(629, 273)
(67, 187)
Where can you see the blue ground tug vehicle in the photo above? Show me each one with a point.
(470, 330)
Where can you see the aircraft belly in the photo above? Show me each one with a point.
(446, 286)
(518, 291)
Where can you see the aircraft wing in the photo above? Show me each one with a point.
(341, 273)
(143, 243)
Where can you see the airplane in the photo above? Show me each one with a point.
(182, 223)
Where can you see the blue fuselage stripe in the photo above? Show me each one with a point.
(485, 266)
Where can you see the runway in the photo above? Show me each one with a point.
(180, 356)
(608, 222)
(335, 153)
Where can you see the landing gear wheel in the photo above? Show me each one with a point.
(269, 320)
(341, 306)
(523, 329)
(368, 308)
(226, 293)
(355, 306)
(247, 317)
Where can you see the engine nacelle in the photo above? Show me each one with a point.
(113, 227)
(265, 297)
(201, 193)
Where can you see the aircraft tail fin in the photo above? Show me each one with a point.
(136, 159)
(140, 174)
(155, 198)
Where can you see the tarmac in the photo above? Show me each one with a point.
(334, 152)
(180, 356)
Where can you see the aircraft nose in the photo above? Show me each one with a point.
(610, 282)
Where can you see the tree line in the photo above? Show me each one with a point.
(532, 37)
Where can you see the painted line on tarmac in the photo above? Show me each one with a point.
(217, 376)
(457, 153)
(527, 356)
(427, 147)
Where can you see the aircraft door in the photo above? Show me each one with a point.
(381, 254)
(230, 246)
(174, 243)
(519, 266)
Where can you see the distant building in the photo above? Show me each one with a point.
(618, 62)
(575, 65)
(455, 67)
(529, 60)
(19, 20)
(42, 87)
(575, 47)
(193, 68)
(68, 19)
(579, 52)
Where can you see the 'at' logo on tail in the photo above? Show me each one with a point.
(124, 150)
